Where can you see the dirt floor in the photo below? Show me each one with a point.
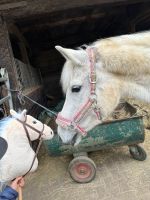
(119, 176)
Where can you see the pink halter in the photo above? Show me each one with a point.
(91, 102)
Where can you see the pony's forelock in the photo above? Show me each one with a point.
(66, 75)
(3, 123)
(7, 120)
(17, 115)
(68, 70)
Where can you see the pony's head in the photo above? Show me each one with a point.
(76, 82)
(34, 126)
(88, 101)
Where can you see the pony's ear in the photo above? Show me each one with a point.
(78, 57)
(13, 112)
(23, 115)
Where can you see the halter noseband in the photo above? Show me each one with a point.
(91, 102)
(25, 125)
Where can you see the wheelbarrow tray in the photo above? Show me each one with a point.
(122, 132)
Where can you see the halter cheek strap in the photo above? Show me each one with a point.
(91, 102)
(25, 125)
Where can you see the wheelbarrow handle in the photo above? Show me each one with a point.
(20, 193)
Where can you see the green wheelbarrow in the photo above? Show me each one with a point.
(123, 132)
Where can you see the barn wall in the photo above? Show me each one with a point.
(21, 75)
(41, 24)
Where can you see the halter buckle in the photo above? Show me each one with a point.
(93, 97)
(92, 78)
(72, 126)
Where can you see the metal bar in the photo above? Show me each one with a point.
(3, 79)
(4, 99)
(9, 93)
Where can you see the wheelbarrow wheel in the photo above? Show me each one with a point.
(82, 169)
(137, 152)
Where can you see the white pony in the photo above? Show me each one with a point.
(19, 155)
(121, 67)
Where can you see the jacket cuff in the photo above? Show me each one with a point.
(10, 193)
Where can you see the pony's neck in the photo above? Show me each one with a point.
(113, 87)
(127, 59)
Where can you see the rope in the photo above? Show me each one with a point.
(54, 113)
(35, 156)
(21, 96)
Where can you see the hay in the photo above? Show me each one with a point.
(131, 108)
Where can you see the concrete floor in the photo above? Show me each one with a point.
(119, 177)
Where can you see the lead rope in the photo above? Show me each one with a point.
(36, 153)
(26, 130)
(21, 99)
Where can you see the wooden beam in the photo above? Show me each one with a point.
(51, 6)
(62, 22)
(9, 6)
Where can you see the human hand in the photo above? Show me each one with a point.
(18, 182)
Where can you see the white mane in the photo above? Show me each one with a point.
(138, 39)
(3, 123)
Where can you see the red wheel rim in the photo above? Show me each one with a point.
(82, 170)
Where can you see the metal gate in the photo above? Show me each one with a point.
(5, 80)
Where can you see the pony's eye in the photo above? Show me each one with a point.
(76, 88)
(34, 122)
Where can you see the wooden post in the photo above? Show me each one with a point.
(6, 56)
(20, 194)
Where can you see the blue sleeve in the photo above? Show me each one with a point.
(8, 194)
